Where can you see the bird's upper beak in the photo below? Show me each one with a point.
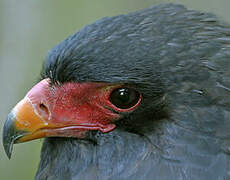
(24, 120)
(21, 125)
(48, 112)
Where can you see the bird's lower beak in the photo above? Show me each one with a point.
(22, 125)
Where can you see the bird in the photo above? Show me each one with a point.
(145, 95)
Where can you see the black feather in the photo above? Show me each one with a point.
(179, 60)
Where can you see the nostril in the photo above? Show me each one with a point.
(44, 110)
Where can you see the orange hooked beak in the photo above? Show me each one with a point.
(21, 125)
(24, 121)
(62, 111)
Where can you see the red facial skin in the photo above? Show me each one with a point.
(68, 110)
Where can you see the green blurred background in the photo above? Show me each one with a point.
(28, 29)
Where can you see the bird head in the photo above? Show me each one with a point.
(89, 86)
(161, 72)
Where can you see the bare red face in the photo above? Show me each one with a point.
(69, 110)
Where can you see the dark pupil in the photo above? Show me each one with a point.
(124, 98)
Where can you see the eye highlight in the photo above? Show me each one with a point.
(124, 98)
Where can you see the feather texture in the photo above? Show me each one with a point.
(179, 60)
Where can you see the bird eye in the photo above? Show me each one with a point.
(124, 98)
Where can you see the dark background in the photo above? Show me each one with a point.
(28, 29)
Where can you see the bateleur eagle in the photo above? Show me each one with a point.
(139, 96)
